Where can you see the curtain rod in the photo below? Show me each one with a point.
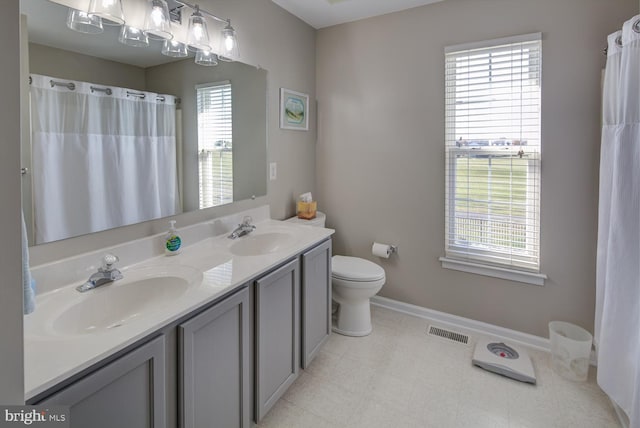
(72, 87)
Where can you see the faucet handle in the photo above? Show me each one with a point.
(108, 261)
(247, 220)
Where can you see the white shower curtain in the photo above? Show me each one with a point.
(617, 324)
(100, 160)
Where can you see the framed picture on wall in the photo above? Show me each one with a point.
(294, 110)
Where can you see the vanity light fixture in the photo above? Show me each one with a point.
(174, 49)
(82, 22)
(206, 58)
(157, 23)
(133, 36)
(109, 10)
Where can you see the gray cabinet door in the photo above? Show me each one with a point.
(277, 335)
(129, 392)
(316, 300)
(215, 366)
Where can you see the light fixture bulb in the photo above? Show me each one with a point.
(109, 10)
(197, 31)
(156, 16)
(228, 43)
(157, 24)
(197, 34)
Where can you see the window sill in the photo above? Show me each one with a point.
(496, 272)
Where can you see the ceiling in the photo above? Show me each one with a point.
(325, 13)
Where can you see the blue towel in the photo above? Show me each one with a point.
(28, 283)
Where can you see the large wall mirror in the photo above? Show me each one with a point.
(117, 134)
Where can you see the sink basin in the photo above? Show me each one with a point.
(260, 244)
(113, 305)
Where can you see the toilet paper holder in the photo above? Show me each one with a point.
(383, 250)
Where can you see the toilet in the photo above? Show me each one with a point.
(354, 281)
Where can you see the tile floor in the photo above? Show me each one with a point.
(399, 377)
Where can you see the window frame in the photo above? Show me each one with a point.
(473, 258)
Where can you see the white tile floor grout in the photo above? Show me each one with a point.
(400, 377)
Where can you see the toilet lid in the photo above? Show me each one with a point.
(355, 269)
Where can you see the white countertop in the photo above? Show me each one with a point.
(52, 356)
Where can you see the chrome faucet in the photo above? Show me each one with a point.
(243, 229)
(106, 274)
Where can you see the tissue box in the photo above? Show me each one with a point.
(307, 210)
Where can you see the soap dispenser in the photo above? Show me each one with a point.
(172, 242)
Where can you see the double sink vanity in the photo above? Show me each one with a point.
(211, 337)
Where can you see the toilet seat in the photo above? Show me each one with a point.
(346, 283)
(356, 270)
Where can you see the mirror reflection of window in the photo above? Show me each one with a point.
(215, 144)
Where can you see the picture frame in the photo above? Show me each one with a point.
(294, 110)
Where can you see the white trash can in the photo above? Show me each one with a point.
(570, 350)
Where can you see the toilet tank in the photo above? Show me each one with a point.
(319, 221)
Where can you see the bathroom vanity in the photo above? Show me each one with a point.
(251, 312)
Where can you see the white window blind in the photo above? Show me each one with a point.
(493, 152)
(215, 144)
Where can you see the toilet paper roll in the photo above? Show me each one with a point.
(381, 250)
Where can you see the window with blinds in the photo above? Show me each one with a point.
(215, 144)
(493, 152)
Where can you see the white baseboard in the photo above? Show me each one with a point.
(526, 339)
(536, 342)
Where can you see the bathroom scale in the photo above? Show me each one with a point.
(503, 359)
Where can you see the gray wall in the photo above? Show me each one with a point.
(64, 64)
(11, 342)
(380, 150)
(284, 45)
(249, 127)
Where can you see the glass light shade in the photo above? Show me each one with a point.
(157, 24)
(229, 43)
(83, 22)
(133, 36)
(197, 34)
(110, 10)
(207, 58)
(174, 49)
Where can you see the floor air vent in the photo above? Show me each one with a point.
(448, 334)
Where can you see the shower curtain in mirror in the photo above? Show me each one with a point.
(101, 159)
(617, 324)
